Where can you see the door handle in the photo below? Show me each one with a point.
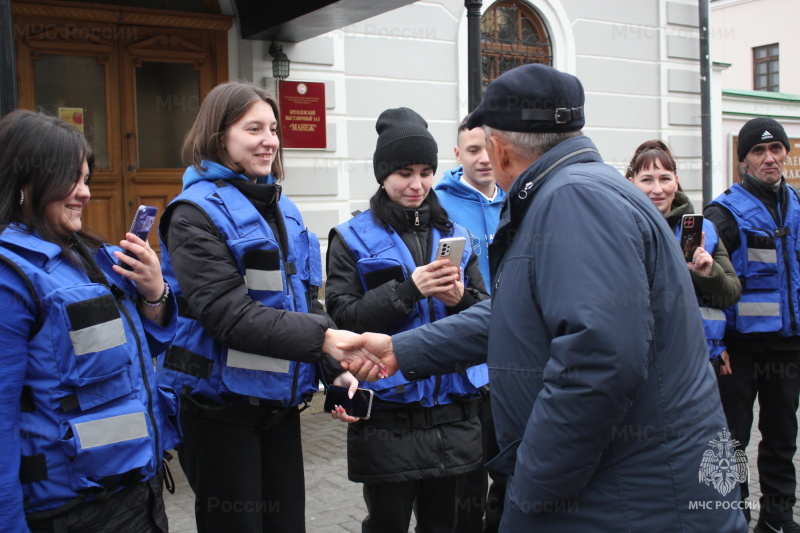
(132, 145)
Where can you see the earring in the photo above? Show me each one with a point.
(21, 196)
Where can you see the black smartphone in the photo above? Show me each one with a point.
(142, 224)
(691, 235)
(359, 406)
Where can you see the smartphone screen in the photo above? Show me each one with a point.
(142, 223)
(451, 248)
(359, 406)
(691, 235)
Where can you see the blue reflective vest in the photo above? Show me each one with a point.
(767, 264)
(196, 361)
(377, 249)
(713, 319)
(92, 419)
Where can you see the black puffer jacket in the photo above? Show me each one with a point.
(217, 293)
(385, 448)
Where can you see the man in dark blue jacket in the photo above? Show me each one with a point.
(606, 408)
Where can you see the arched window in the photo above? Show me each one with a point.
(512, 34)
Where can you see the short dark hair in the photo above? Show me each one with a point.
(646, 156)
(224, 105)
(40, 156)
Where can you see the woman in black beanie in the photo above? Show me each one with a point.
(424, 434)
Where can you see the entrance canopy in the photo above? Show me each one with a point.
(293, 22)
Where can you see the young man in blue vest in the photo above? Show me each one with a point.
(758, 221)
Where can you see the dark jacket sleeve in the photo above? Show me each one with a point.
(217, 295)
(722, 289)
(353, 309)
(445, 346)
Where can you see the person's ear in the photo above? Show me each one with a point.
(457, 152)
(498, 149)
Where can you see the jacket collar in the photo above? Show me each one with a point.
(213, 172)
(520, 196)
(574, 150)
(681, 205)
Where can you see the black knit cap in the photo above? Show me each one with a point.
(403, 139)
(757, 131)
(532, 98)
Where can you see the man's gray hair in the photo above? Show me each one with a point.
(532, 146)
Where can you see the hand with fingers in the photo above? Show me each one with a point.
(378, 346)
(345, 379)
(436, 278)
(702, 262)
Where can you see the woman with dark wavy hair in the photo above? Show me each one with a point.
(83, 426)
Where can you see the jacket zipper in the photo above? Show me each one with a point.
(117, 292)
(290, 292)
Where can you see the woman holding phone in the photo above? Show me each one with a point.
(384, 275)
(654, 172)
(246, 272)
(83, 427)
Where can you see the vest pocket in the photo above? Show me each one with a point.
(103, 445)
(308, 258)
(169, 421)
(762, 263)
(95, 348)
(759, 312)
(249, 374)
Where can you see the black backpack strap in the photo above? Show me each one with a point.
(37, 325)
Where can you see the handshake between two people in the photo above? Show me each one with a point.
(369, 356)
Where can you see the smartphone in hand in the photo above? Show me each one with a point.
(452, 248)
(141, 226)
(359, 406)
(691, 235)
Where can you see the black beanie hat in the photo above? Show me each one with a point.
(757, 131)
(403, 139)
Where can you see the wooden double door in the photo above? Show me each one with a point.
(132, 81)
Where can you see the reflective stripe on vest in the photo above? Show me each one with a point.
(111, 430)
(710, 313)
(759, 309)
(98, 338)
(252, 361)
(263, 280)
(762, 255)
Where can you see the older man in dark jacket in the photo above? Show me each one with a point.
(606, 407)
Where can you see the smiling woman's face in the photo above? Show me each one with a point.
(659, 184)
(64, 215)
(252, 141)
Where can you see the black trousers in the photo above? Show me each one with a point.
(135, 509)
(433, 501)
(474, 501)
(247, 475)
(773, 377)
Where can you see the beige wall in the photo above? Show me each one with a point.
(737, 26)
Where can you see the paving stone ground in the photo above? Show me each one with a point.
(333, 503)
